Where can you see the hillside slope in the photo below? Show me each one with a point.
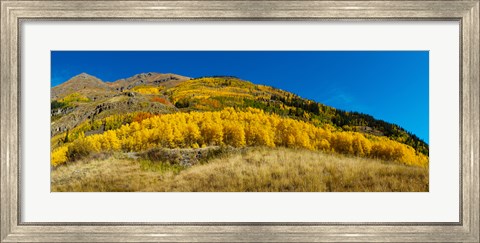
(86, 98)
(216, 93)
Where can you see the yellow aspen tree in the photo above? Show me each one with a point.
(212, 133)
(191, 135)
(177, 134)
(342, 143)
(164, 137)
(93, 141)
(59, 156)
(109, 141)
(233, 134)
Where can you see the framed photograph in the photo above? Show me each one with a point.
(239, 121)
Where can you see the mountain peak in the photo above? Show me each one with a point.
(80, 78)
(83, 83)
(84, 75)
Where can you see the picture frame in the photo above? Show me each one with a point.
(14, 12)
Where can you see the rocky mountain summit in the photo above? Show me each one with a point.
(87, 97)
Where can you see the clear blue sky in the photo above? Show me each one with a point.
(389, 85)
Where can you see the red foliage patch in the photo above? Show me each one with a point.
(160, 100)
(142, 116)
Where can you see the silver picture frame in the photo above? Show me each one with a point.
(14, 12)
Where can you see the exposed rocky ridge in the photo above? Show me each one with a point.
(120, 104)
(108, 98)
(156, 79)
(94, 88)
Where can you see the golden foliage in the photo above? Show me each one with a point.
(249, 127)
(148, 90)
(74, 97)
(225, 87)
(59, 156)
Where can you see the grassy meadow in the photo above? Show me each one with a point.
(259, 169)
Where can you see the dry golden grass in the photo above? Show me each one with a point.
(111, 175)
(252, 170)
